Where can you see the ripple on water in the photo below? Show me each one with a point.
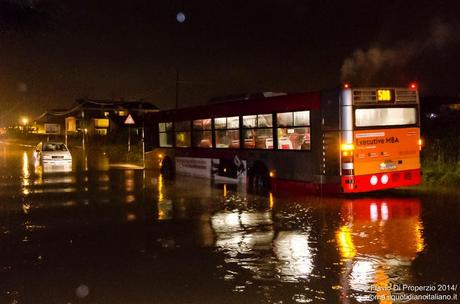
(301, 298)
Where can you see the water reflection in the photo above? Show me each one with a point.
(57, 168)
(294, 254)
(241, 232)
(25, 166)
(252, 241)
(378, 240)
(70, 185)
(260, 248)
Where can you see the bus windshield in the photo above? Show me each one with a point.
(385, 117)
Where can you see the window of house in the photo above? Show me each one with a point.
(101, 122)
(293, 130)
(257, 131)
(227, 132)
(202, 134)
(101, 132)
(165, 134)
(183, 136)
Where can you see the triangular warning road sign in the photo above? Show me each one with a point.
(129, 120)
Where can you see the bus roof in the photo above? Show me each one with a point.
(259, 105)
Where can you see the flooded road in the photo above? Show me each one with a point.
(96, 234)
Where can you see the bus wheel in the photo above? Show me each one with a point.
(259, 180)
(167, 168)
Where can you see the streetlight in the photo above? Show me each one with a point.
(25, 121)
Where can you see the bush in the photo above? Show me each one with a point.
(450, 179)
(440, 173)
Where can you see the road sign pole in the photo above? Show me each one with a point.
(129, 121)
(129, 138)
(143, 145)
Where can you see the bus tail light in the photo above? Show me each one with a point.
(374, 180)
(347, 147)
(347, 159)
(384, 179)
(347, 153)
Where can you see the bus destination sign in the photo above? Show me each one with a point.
(385, 95)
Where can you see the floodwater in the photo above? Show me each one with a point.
(97, 234)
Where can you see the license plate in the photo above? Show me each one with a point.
(388, 166)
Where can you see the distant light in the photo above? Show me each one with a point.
(432, 115)
(24, 120)
(346, 85)
(413, 85)
(82, 291)
(272, 174)
(180, 17)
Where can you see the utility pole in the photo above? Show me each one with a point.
(83, 130)
(143, 140)
(177, 88)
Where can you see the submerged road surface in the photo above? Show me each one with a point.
(99, 235)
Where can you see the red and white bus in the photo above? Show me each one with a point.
(341, 140)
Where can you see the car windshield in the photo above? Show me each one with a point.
(54, 147)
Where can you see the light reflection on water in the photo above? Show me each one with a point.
(311, 249)
(287, 255)
(48, 181)
(378, 240)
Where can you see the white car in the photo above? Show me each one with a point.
(52, 152)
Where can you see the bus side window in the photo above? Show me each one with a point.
(165, 134)
(293, 130)
(249, 141)
(227, 132)
(202, 134)
(183, 136)
(258, 132)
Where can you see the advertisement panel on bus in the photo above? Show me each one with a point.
(385, 158)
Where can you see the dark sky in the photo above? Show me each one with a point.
(54, 51)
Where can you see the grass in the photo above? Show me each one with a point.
(437, 173)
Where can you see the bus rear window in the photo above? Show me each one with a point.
(385, 117)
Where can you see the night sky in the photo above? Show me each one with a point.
(54, 51)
